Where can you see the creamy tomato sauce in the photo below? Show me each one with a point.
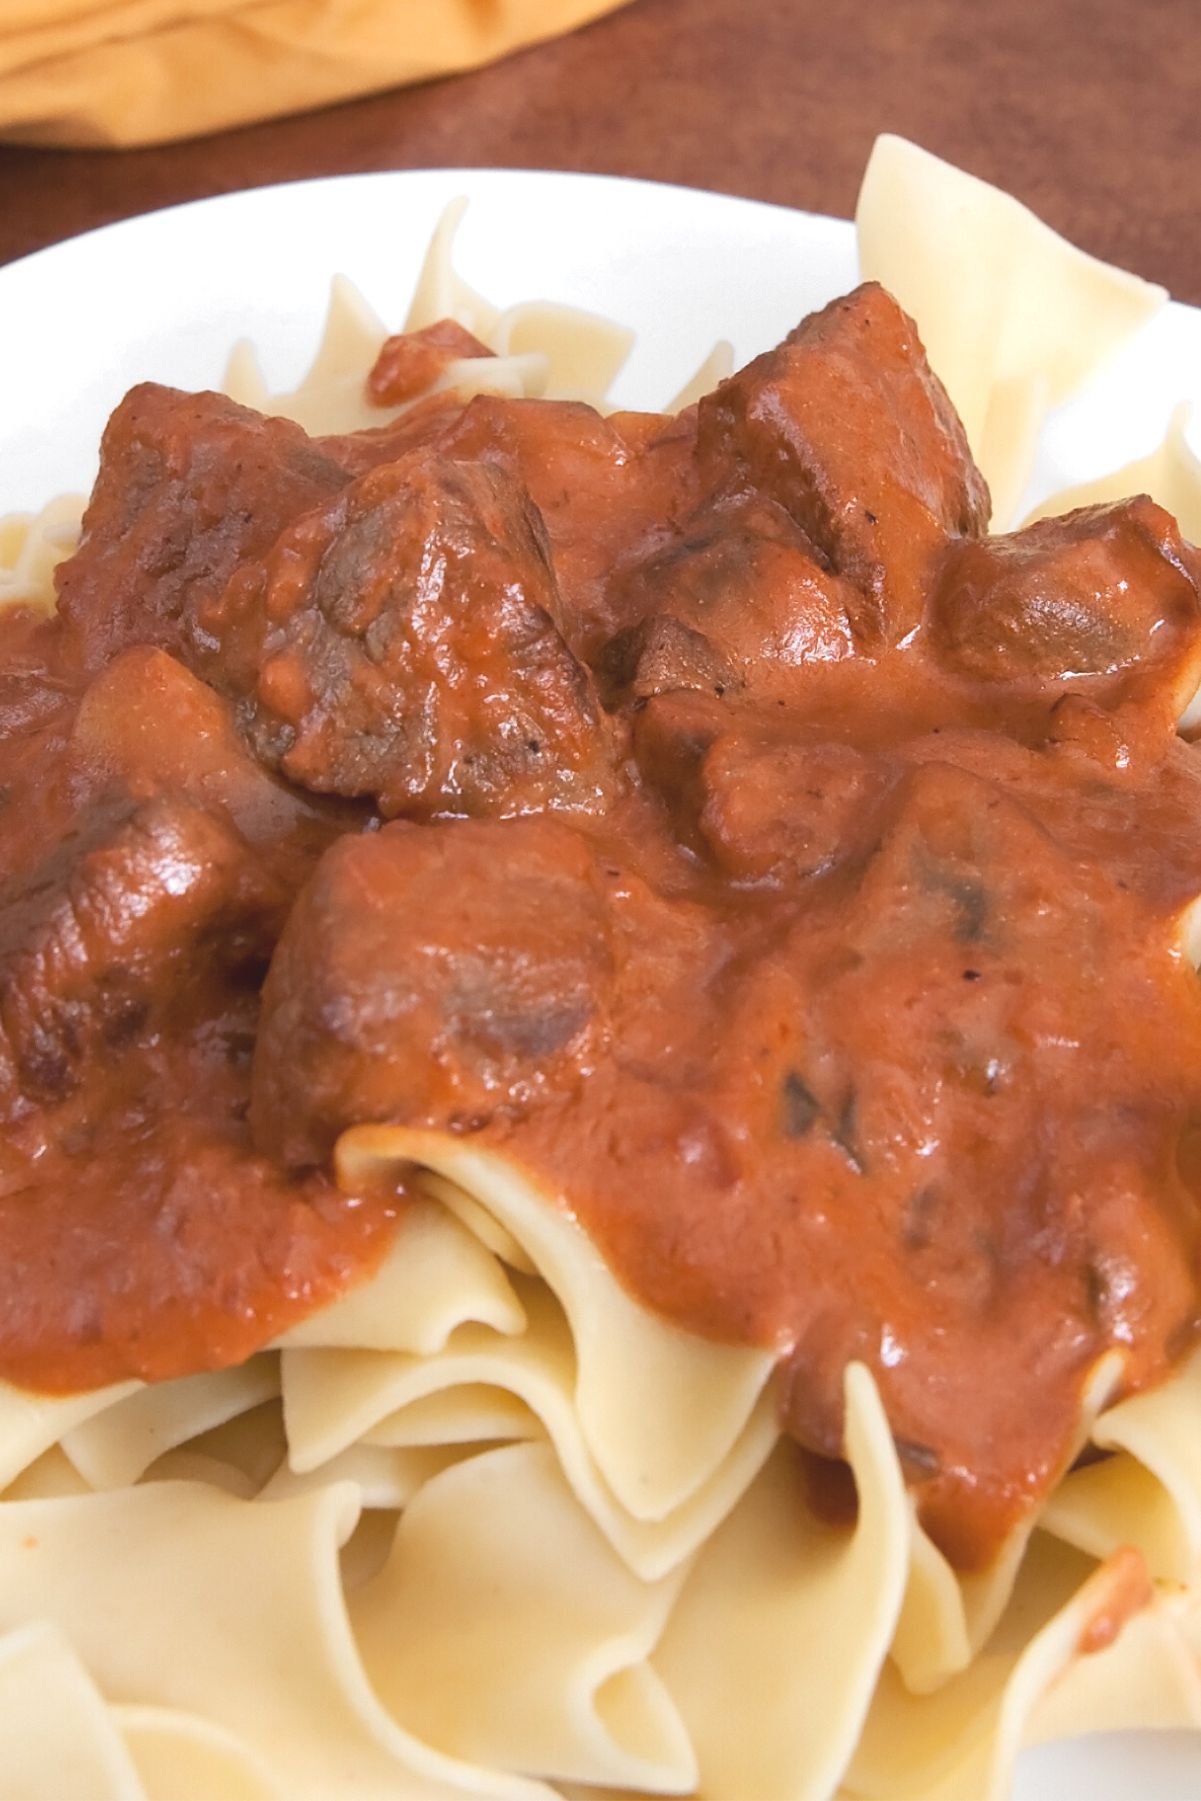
(704, 812)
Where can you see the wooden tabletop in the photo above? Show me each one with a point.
(1086, 109)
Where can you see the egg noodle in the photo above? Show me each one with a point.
(488, 1527)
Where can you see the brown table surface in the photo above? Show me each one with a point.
(1086, 109)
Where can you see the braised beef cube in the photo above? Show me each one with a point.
(600, 485)
(1104, 596)
(671, 734)
(147, 726)
(189, 486)
(109, 928)
(773, 807)
(846, 426)
(425, 420)
(660, 655)
(409, 650)
(739, 600)
(745, 793)
(437, 975)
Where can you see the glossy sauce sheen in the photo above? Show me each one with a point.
(703, 812)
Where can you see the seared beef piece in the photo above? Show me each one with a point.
(156, 878)
(600, 487)
(110, 927)
(739, 599)
(772, 808)
(398, 639)
(671, 735)
(147, 726)
(422, 423)
(403, 643)
(846, 427)
(748, 794)
(660, 656)
(1107, 595)
(189, 486)
(432, 975)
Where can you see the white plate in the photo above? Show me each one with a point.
(165, 296)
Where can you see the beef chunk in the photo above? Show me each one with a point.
(671, 734)
(189, 486)
(1104, 595)
(174, 859)
(109, 927)
(423, 422)
(402, 643)
(738, 600)
(749, 795)
(432, 975)
(147, 726)
(600, 487)
(769, 808)
(847, 428)
(661, 655)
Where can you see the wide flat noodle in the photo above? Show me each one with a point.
(469, 1413)
(181, 1758)
(30, 1423)
(386, 1476)
(332, 394)
(118, 1445)
(1148, 1493)
(716, 366)
(46, 1478)
(947, 1618)
(1013, 317)
(1079, 1647)
(497, 1553)
(1170, 474)
(785, 1621)
(32, 545)
(695, 1397)
(482, 1224)
(584, 353)
(962, 1739)
(561, 351)
(932, 1641)
(244, 380)
(535, 348)
(247, 1630)
(436, 1277)
(440, 291)
(1149, 1678)
(334, 1399)
(1113, 1592)
(187, 1465)
(57, 1738)
(251, 1446)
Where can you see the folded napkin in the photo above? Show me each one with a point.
(124, 72)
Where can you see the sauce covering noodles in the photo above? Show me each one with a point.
(601, 1071)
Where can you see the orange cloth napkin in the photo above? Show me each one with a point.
(123, 72)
